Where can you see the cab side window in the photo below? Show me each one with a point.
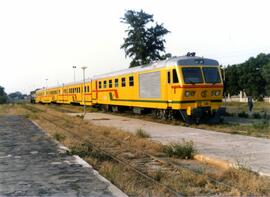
(175, 77)
(169, 76)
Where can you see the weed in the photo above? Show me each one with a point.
(158, 175)
(100, 156)
(142, 134)
(81, 150)
(256, 115)
(59, 137)
(86, 150)
(183, 150)
(243, 115)
(228, 114)
(261, 125)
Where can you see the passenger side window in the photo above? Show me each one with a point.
(110, 83)
(175, 78)
(131, 81)
(123, 82)
(99, 85)
(104, 84)
(169, 77)
(116, 83)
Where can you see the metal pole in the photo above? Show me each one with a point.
(46, 85)
(224, 70)
(63, 92)
(84, 107)
(74, 69)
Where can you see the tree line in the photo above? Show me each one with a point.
(3, 95)
(251, 77)
(145, 43)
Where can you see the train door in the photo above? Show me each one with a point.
(94, 91)
(169, 88)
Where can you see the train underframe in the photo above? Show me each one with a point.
(199, 115)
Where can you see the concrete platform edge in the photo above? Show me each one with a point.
(221, 163)
(213, 161)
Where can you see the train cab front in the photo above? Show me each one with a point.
(202, 90)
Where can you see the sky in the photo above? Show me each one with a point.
(42, 40)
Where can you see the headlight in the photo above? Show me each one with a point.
(189, 93)
(216, 93)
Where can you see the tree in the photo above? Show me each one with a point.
(231, 81)
(3, 95)
(248, 76)
(16, 95)
(143, 43)
(266, 76)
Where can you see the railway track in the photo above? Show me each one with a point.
(116, 150)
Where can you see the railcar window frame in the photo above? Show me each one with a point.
(131, 81)
(110, 83)
(105, 84)
(100, 85)
(123, 82)
(116, 84)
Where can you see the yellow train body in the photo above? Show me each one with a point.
(186, 84)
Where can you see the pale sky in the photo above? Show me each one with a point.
(43, 39)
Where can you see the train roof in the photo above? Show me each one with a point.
(175, 61)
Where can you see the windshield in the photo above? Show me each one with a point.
(192, 75)
(211, 75)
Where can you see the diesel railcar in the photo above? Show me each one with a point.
(186, 86)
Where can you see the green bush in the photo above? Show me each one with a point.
(183, 150)
(256, 115)
(142, 134)
(59, 136)
(242, 115)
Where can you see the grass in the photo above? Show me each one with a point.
(58, 136)
(261, 126)
(142, 134)
(86, 150)
(236, 107)
(183, 150)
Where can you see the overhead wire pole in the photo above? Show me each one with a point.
(46, 85)
(224, 70)
(74, 69)
(84, 107)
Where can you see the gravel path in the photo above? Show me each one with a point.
(32, 164)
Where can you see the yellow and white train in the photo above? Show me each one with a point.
(185, 86)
